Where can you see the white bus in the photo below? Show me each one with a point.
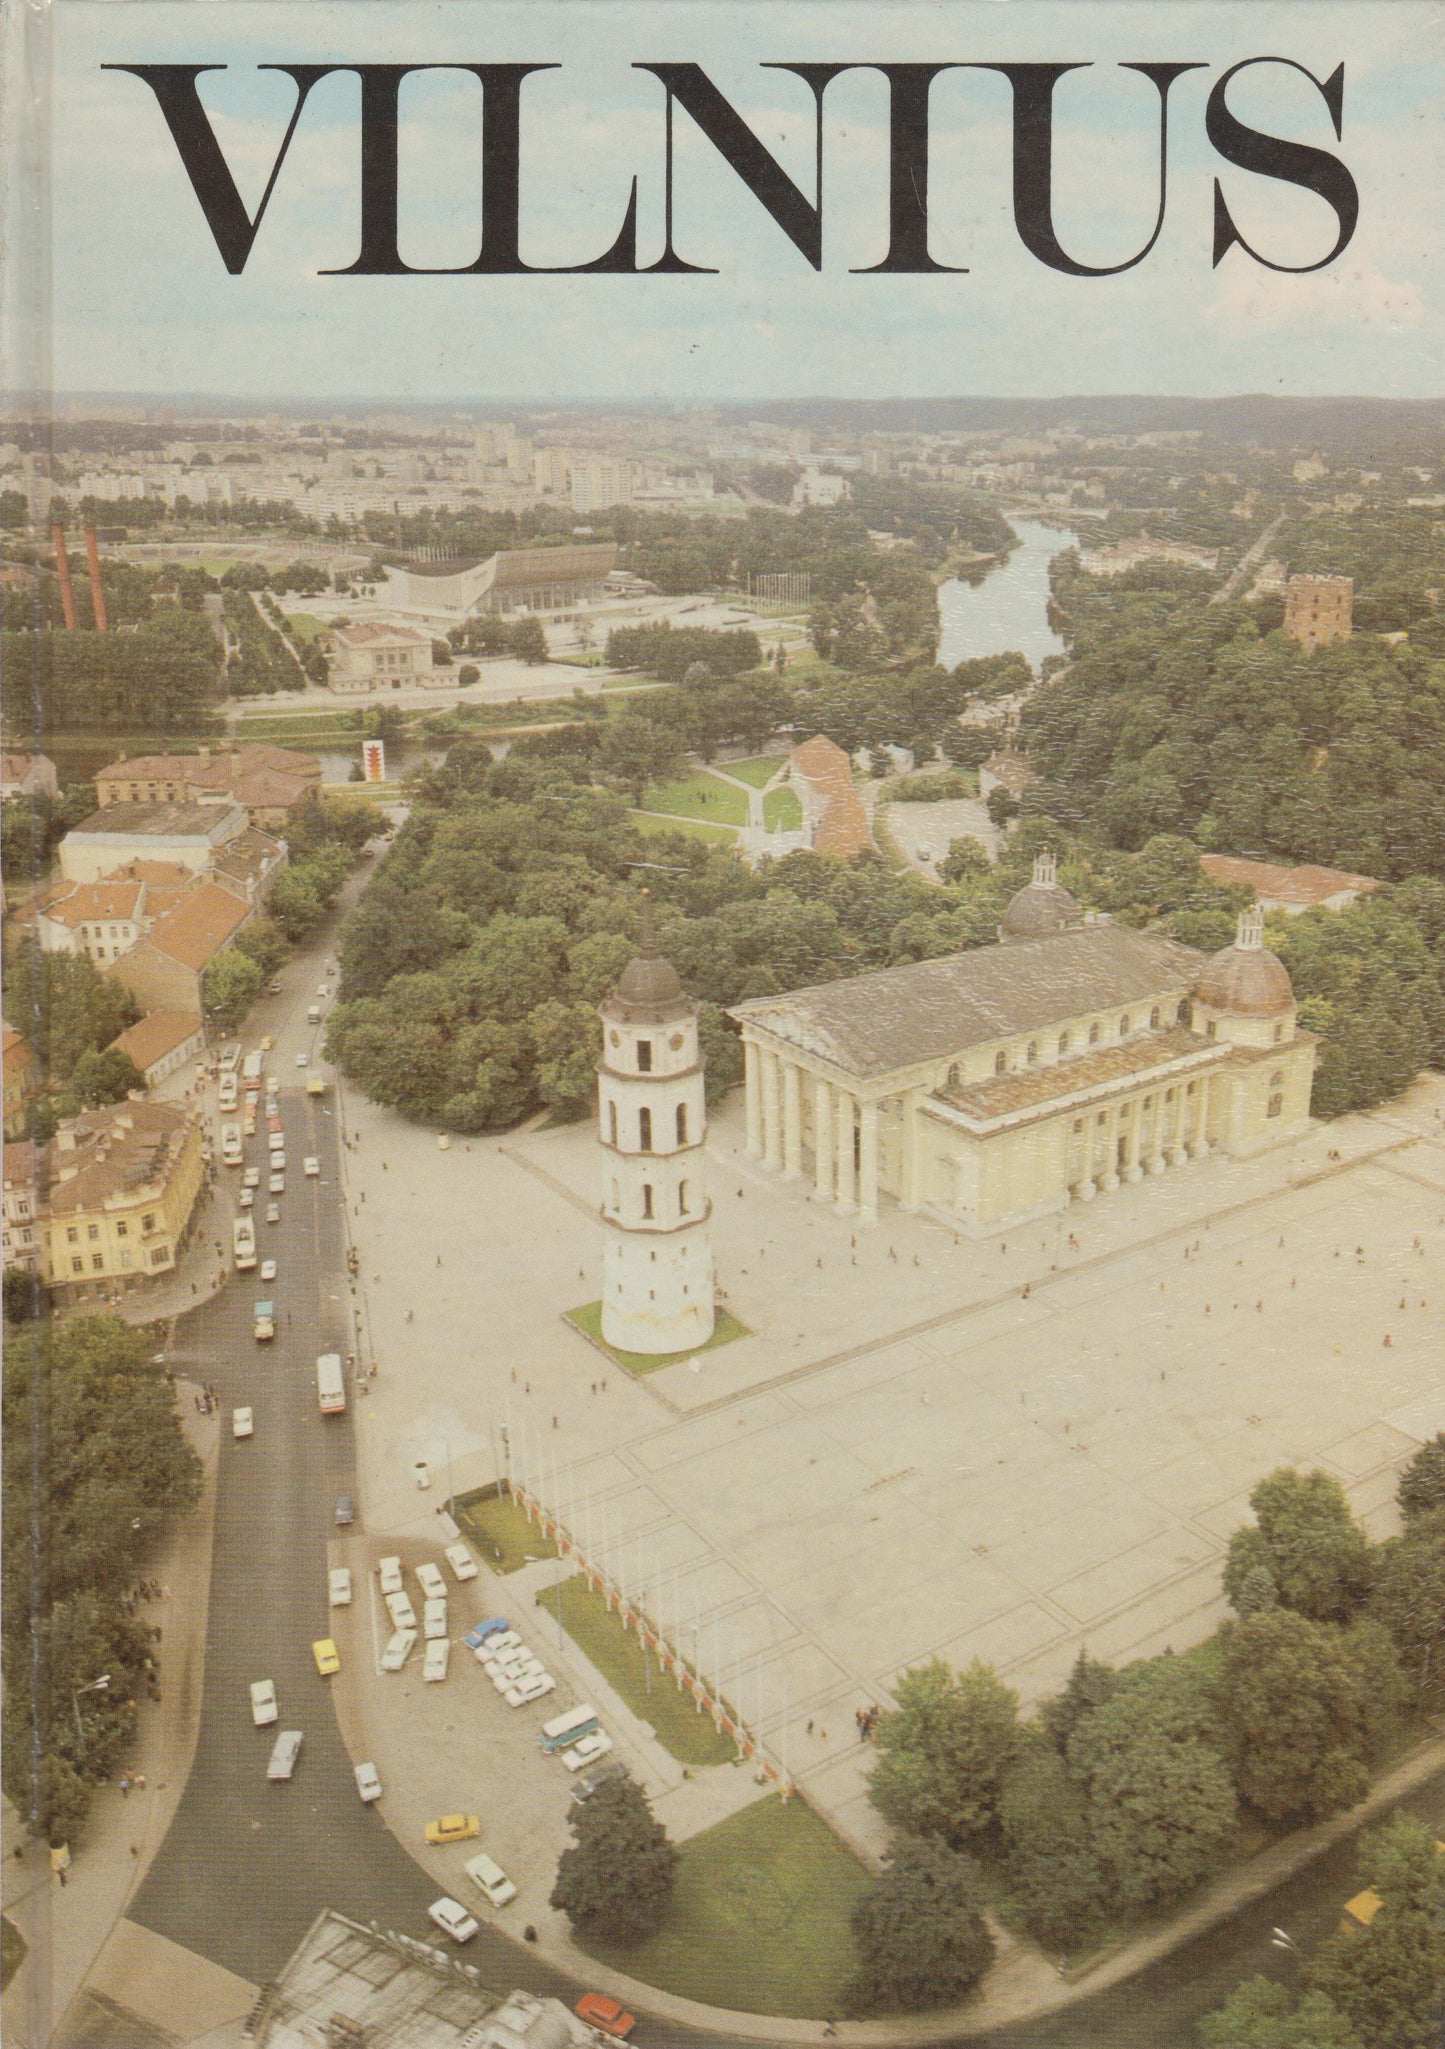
(330, 1387)
(251, 1070)
(231, 1153)
(566, 1729)
(230, 1058)
(243, 1239)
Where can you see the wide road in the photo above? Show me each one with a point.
(246, 1864)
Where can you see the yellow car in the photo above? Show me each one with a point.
(267, 1042)
(453, 1828)
(325, 1654)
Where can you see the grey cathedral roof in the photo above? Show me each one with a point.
(894, 1018)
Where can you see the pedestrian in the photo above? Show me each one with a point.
(439, 1259)
(529, 1933)
(554, 1422)
(124, 1785)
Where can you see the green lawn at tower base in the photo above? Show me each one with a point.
(588, 1319)
(701, 796)
(759, 1917)
(758, 770)
(500, 1533)
(653, 1695)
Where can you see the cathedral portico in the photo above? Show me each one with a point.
(1004, 1083)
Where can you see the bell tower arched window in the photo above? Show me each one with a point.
(682, 1123)
(644, 1129)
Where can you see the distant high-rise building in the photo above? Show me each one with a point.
(1319, 609)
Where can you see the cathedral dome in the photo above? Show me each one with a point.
(1246, 979)
(1041, 906)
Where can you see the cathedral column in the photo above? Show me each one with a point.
(868, 1163)
(792, 1121)
(772, 1115)
(753, 1098)
(909, 1175)
(1174, 1151)
(1134, 1171)
(1199, 1140)
(822, 1139)
(1109, 1179)
(843, 1148)
(1155, 1163)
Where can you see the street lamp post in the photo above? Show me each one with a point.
(101, 1685)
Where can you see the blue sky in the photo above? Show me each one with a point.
(141, 301)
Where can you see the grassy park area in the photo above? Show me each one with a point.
(690, 828)
(12, 1951)
(588, 1319)
(758, 770)
(700, 796)
(782, 812)
(499, 1532)
(303, 627)
(759, 1917)
(634, 1673)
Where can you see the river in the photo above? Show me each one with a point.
(1009, 609)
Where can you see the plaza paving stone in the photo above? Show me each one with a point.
(911, 1455)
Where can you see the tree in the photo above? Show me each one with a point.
(965, 857)
(230, 984)
(1386, 1979)
(1402, 1863)
(106, 1077)
(528, 642)
(295, 904)
(1053, 1868)
(615, 1882)
(944, 1752)
(1259, 2014)
(921, 1939)
(1309, 1543)
(1159, 1799)
(64, 1007)
(1090, 1684)
(1408, 1598)
(1422, 1484)
(25, 1296)
(1303, 1703)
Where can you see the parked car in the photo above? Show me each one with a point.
(345, 1511)
(453, 1919)
(242, 1423)
(453, 1828)
(498, 1643)
(402, 1613)
(438, 1657)
(389, 1570)
(398, 1650)
(273, 988)
(246, 1197)
(478, 1634)
(490, 1876)
(587, 1750)
(589, 1782)
(311, 1166)
(327, 1658)
(277, 1162)
(461, 1561)
(273, 1212)
(434, 1620)
(302, 1060)
(601, 2012)
(277, 1185)
(268, 1269)
(431, 1582)
(368, 1784)
(529, 1689)
(338, 1586)
(263, 1702)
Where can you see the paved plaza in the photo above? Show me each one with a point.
(1006, 1449)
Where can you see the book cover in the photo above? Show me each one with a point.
(724, 988)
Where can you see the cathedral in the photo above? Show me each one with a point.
(999, 1085)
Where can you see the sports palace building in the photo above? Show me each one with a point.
(517, 580)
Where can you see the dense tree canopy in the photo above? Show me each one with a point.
(944, 1752)
(96, 1471)
(616, 1879)
(920, 1937)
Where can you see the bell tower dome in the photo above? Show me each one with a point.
(657, 1269)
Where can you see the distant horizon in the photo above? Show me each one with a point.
(271, 401)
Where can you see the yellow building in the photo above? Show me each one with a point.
(114, 1196)
(999, 1085)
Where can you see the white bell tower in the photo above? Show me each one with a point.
(657, 1272)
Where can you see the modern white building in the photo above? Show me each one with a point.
(657, 1267)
